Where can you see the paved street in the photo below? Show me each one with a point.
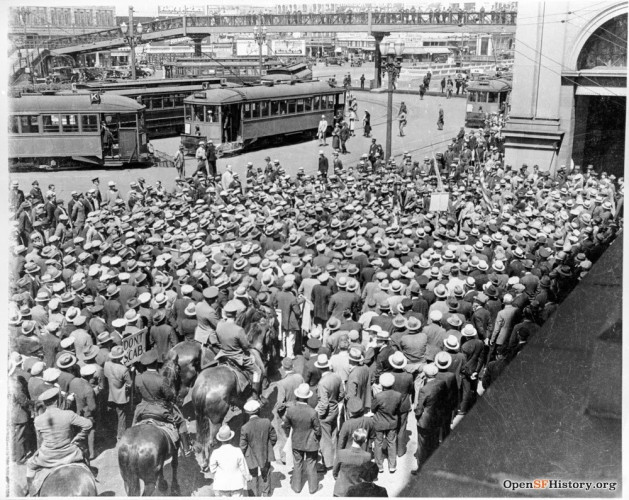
(422, 138)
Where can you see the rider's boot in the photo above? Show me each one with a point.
(257, 392)
(185, 444)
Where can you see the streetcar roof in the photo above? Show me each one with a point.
(67, 103)
(494, 85)
(258, 92)
(145, 84)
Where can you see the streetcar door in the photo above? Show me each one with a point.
(231, 120)
(127, 143)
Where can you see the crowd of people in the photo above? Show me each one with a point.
(385, 306)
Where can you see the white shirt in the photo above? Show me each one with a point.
(229, 467)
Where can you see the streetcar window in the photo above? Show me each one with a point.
(70, 123)
(51, 123)
(482, 97)
(316, 103)
(291, 106)
(330, 102)
(211, 114)
(198, 113)
(189, 112)
(492, 97)
(13, 127)
(89, 123)
(30, 124)
(308, 104)
(247, 110)
(300, 105)
(156, 103)
(471, 97)
(275, 108)
(168, 102)
(255, 110)
(324, 102)
(283, 107)
(264, 109)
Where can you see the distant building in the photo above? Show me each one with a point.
(59, 20)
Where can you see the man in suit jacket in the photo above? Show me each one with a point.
(119, 381)
(356, 420)
(349, 462)
(429, 413)
(443, 360)
(162, 336)
(86, 402)
(357, 384)
(285, 399)
(404, 385)
(330, 393)
(367, 488)
(257, 438)
(306, 428)
(386, 411)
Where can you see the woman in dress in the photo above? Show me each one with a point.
(367, 124)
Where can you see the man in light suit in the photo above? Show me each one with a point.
(119, 381)
(304, 422)
(330, 392)
(257, 438)
(349, 463)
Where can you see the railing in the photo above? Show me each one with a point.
(297, 19)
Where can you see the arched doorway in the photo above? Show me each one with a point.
(600, 100)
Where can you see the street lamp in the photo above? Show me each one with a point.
(392, 67)
(132, 39)
(259, 35)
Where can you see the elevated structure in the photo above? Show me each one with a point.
(377, 24)
(569, 86)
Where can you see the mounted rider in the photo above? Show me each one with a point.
(158, 400)
(234, 345)
(59, 444)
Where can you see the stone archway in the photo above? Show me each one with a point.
(600, 100)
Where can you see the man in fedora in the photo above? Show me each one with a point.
(330, 393)
(112, 308)
(67, 366)
(386, 413)
(158, 399)
(506, 319)
(162, 336)
(257, 438)
(285, 399)
(358, 381)
(119, 381)
(404, 385)
(85, 400)
(304, 422)
(229, 466)
(208, 318)
(443, 360)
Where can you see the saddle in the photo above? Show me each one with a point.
(242, 379)
(166, 427)
(42, 474)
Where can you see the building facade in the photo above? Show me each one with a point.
(60, 20)
(569, 86)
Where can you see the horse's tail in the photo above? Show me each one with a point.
(129, 464)
(201, 416)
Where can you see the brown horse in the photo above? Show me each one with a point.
(141, 455)
(69, 481)
(190, 356)
(214, 391)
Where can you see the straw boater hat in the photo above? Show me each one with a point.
(225, 434)
(303, 391)
(398, 360)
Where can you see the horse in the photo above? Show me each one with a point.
(142, 452)
(214, 392)
(69, 481)
(190, 357)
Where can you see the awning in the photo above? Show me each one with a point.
(594, 90)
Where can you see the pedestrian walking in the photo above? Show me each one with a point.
(440, 121)
(367, 124)
(322, 131)
(229, 466)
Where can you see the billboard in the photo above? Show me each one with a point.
(250, 48)
(288, 47)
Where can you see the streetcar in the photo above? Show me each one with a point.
(298, 71)
(239, 70)
(76, 130)
(486, 98)
(163, 100)
(237, 118)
